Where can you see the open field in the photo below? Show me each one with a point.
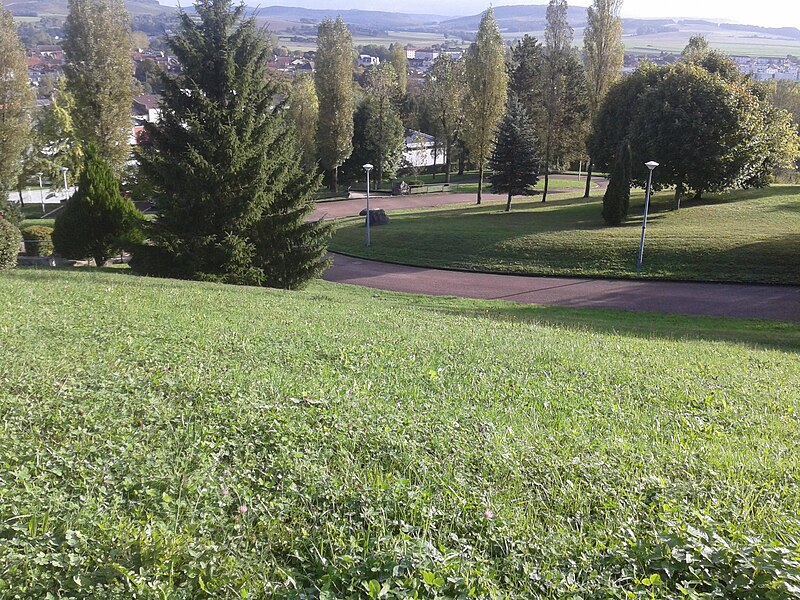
(167, 439)
(748, 236)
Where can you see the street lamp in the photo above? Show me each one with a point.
(650, 166)
(64, 173)
(41, 191)
(368, 168)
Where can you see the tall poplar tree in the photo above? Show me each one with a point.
(562, 121)
(486, 91)
(100, 75)
(223, 161)
(16, 102)
(334, 81)
(603, 56)
(442, 95)
(397, 56)
(385, 126)
(304, 109)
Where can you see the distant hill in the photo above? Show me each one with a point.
(516, 18)
(44, 8)
(361, 18)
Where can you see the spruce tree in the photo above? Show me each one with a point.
(618, 194)
(224, 164)
(514, 160)
(97, 221)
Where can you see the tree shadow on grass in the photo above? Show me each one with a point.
(776, 335)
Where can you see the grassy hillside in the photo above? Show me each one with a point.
(162, 439)
(751, 235)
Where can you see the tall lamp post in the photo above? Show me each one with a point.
(41, 191)
(367, 168)
(64, 173)
(650, 166)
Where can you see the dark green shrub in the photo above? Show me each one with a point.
(38, 240)
(9, 244)
(97, 221)
(618, 194)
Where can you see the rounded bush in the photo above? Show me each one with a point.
(38, 240)
(9, 245)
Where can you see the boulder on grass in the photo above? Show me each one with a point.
(377, 216)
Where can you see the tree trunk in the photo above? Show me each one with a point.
(589, 167)
(508, 204)
(448, 149)
(99, 261)
(678, 196)
(546, 174)
(461, 161)
(334, 179)
(21, 201)
(480, 181)
(435, 158)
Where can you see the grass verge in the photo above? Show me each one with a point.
(748, 236)
(171, 439)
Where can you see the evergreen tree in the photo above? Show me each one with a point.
(618, 193)
(334, 81)
(223, 161)
(99, 75)
(515, 159)
(97, 221)
(486, 91)
(16, 101)
(603, 55)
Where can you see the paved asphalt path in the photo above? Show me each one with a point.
(713, 299)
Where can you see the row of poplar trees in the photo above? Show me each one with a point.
(541, 88)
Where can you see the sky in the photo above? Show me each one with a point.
(767, 13)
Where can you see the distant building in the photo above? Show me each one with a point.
(419, 150)
(365, 60)
(145, 108)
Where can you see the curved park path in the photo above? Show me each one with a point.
(776, 302)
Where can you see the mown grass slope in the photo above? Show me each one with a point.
(161, 439)
(749, 236)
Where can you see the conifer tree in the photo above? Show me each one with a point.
(97, 221)
(224, 164)
(99, 75)
(618, 193)
(486, 90)
(16, 101)
(334, 81)
(514, 161)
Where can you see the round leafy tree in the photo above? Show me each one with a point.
(514, 160)
(97, 221)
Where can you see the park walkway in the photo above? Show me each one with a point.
(710, 299)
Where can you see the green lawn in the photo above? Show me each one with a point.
(163, 439)
(751, 235)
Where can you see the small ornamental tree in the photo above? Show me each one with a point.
(514, 160)
(97, 221)
(618, 194)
